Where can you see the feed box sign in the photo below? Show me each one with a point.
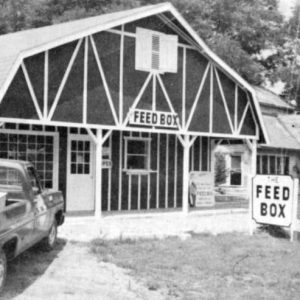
(272, 199)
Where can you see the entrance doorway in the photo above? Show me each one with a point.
(80, 174)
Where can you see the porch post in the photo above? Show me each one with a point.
(251, 175)
(98, 174)
(185, 177)
(213, 146)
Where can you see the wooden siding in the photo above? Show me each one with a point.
(159, 189)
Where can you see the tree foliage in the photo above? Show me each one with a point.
(238, 31)
(221, 172)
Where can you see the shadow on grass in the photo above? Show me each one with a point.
(25, 269)
(275, 231)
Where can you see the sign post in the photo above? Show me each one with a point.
(295, 209)
(274, 200)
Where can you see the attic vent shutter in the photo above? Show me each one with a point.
(155, 51)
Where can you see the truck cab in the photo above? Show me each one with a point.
(28, 213)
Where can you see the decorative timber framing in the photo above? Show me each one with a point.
(193, 45)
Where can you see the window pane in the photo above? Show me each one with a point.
(136, 147)
(258, 165)
(80, 169)
(236, 162)
(272, 165)
(236, 178)
(86, 169)
(264, 164)
(286, 165)
(278, 171)
(73, 168)
(136, 162)
(9, 176)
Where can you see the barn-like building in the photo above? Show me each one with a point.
(116, 110)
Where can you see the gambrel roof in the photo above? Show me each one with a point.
(20, 45)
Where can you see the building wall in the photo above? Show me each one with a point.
(158, 188)
(293, 166)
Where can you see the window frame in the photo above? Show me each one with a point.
(147, 155)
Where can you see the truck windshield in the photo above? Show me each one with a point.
(10, 177)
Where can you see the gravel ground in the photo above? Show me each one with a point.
(73, 274)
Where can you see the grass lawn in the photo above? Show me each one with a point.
(226, 266)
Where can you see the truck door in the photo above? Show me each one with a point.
(18, 215)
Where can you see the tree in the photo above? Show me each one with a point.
(221, 172)
(236, 30)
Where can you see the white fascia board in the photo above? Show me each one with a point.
(259, 114)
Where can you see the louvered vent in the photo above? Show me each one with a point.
(155, 51)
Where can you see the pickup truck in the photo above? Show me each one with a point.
(28, 213)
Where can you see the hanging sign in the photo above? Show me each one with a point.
(153, 118)
(202, 189)
(272, 199)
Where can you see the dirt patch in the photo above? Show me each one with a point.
(70, 272)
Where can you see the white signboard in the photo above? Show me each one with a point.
(153, 118)
(272, 199)
(202, 189)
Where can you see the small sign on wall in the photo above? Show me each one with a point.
(202, 189)
(106, 164)
(272, 199)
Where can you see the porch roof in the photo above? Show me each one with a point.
(283, 131)
(268, 98)
(26, 43)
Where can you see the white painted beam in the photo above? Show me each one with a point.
(98, 175)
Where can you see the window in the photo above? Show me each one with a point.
(33, 147)
(236, 170)
(137, 154)
(80, 157)
(273, 164)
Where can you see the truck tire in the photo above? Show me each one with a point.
(3, 269)
(50, 241)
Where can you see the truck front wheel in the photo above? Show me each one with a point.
(50, 240)
(3, 269)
